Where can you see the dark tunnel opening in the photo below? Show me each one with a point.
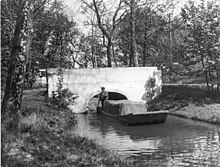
(92, 104)
(114, 96)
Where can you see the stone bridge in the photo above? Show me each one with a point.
(86, 83)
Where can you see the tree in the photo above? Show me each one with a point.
(151, 34)
(41, 39)
(134, 56)
(54, 33)
(202, 24)
(89, 52)
(21, 42)
(7, 28)
(103, 21)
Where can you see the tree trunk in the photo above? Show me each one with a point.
(206, 74)
(210, 78)
(11, 104)
(125, 59)
(109, 52)
(144, 55)
(105, 33)
(47, 85)
(131, 60)
(133, 34)
(93, 48)
(33, 79)
(94, 56)
(207, 79)
(218, 79)
(114, 55)
(145, 41)
(145, 44)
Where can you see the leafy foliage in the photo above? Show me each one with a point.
(150, 90)
(52, 34)
(63, 96)
(202, 26)
(176, 97)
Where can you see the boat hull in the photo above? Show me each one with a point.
(137, 119)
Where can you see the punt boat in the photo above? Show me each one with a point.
(133, 117)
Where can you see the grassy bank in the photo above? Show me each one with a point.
(45, 139)
(208, 112)
(189, 102)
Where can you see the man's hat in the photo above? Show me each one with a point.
(102, 87)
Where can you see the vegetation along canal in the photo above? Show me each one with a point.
(178, 141)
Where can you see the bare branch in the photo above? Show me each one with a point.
(104, 44)
(104, 31)
(127, 3)
(88, 5)
(123, 48)
(120, 18)
(40, 6)
(74, 59)
(115, 15)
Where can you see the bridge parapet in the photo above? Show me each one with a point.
(129, 81)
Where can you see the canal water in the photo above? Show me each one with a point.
(177, 142)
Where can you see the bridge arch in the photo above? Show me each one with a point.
(94, 93)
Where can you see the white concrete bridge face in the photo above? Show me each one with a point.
(129, 81)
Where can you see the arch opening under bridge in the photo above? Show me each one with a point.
(93, 101)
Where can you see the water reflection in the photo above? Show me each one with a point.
(178, 141)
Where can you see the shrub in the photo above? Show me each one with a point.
(64, 98)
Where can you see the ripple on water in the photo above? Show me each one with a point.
(177, 141)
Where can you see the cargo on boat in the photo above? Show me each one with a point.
(131, 113)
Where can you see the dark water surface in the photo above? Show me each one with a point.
(177, 142)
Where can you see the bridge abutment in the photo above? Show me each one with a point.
(86, 83)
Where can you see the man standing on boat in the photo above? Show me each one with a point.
(103, 96)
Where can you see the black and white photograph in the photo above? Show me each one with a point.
(110, 83)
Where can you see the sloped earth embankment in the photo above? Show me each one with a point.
(207, 112)
(189, 102)
(45, 139)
